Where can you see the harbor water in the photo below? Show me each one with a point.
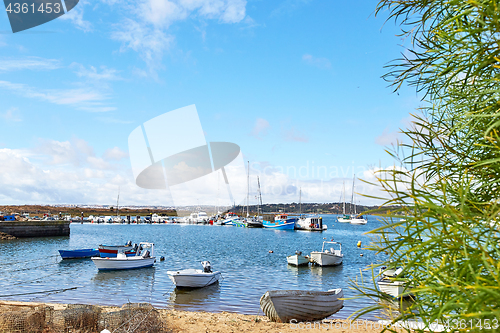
(31, 269)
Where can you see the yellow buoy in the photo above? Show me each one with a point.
(359, 243)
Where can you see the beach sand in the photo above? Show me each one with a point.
(224, 322)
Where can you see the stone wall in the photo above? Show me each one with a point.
(23, 229)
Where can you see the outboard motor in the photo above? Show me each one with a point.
(129, 243)
(207, 268)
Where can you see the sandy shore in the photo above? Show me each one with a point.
(224, 322)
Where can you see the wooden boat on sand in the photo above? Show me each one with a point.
(301, 305)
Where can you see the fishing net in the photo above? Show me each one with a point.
(25, 319)
(81, 318)
(77, 318)
(134, 317)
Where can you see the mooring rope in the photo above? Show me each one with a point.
(40, 292)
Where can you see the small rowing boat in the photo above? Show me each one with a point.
(300, 305)
(78, 254)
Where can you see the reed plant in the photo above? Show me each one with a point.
(447, 171)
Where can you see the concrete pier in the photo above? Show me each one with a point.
(25, 229)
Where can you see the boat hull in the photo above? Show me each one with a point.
(359, 221)
(110, 264)
(191, 278)
(392, 288)
(343, 220)
(78, 254)
(326, 259)
(279, 225)
(104, 253)
(297, 260)
(286, 306)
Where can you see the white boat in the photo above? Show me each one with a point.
(344, 219)
(300, 305)
(297, 259)
(388, 283)
(329, 257)
(144, 257)
(311, 223)
(358, 220)
(195, 278)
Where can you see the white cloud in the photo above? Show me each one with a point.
(322, 63)
(69, 172)
(149, 42)
(260, 129)
(388, 138)
(88, 99)
(115, 154)
(29, 63)
(92, 73)
(145, 29)
(11, 114)
(294, 135)
(76, 17)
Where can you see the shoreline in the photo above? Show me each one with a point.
(178, 321)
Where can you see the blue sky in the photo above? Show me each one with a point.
(295, 83)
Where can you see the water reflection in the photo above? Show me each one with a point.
(181, 298)
(141, 275)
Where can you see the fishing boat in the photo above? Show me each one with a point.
(329, 257)
(281, 222)
(110, 251)
(389, 284)
(242, 223)
(311, 223)
(230, 218)
(297, 259)
(344, 218)
(300, 305)
(78, 254)
(144, 257)
(255, 222)
(195, 278)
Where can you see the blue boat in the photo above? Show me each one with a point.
(78, 254)
(281, 222)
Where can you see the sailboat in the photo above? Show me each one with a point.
(356, 219)
(256, 221)
(344, 218)
(243, 222)
(118, 219)
(309, 223)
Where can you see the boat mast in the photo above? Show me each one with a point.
(343, 184)
(300, 201)
(260, 197)
(352, 195)
(117, 202)
(248, 187)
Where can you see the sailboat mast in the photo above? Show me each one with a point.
(248, 187)
(300, 202)
(260, 196)
(343, 184)
(352, 195)
(118, 203)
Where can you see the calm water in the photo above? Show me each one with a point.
(242, 255)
